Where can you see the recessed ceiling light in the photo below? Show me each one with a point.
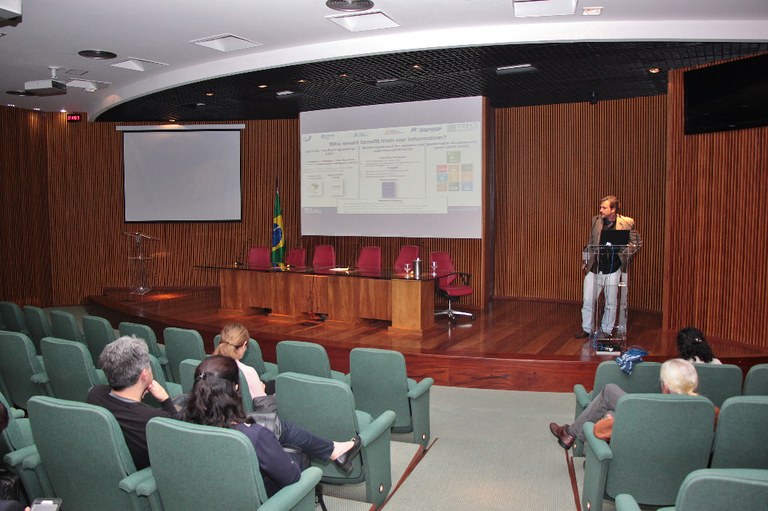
(514, 69)
(63, 111)
(36, 109)
(417, 67)
(301, 80)
(97, 54)
(343, 75)
(284, 93)
(654, 70)
(592, 11)
(263, 86)
(210, 94)
(10, 104)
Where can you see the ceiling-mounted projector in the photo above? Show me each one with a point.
(49, 87)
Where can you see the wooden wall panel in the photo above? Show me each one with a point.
(553, 164)
(717, 234)
(25, 271)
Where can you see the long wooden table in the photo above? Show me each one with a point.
(346, 296)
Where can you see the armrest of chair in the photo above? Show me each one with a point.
(599, 456)
(143, 484)
(420, 388)
(582, 396)
(374, 430)
(270, 371)
(626, 502)
(377, 461)
(16, 458)
(41, 378)
(599, 447)
(299, 495)
(133, 482)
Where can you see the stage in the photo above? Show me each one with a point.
(514, 345)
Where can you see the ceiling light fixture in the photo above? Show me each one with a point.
(349, 5)
(263, 86)
(97, 54)
(515, 69)
(592, 11)
(654, 70)
(209, 94)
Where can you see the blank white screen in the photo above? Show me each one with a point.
(403, 169)
(182, 175)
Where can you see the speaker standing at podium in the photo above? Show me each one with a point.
(604, 272)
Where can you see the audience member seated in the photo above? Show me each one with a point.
(125, 363)
(7, 505)
(215, 401)
(234, 344)
(693, 347)
(678, 376)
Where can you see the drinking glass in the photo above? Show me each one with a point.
(407, 268)
(434, 268)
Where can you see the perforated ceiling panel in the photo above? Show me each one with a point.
(565, 73)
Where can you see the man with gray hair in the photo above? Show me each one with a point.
(125, 362)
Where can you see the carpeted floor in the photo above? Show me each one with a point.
(492, 451)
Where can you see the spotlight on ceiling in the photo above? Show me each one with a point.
(97, 54)
(349, 5)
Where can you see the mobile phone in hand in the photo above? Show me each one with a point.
(46, 505)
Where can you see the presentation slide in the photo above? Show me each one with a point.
(405, 169)
(182, 176)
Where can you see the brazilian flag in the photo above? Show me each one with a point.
(278, 238)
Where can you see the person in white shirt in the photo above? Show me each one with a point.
(234, 344)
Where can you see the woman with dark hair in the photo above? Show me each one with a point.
(215, 400)
(693, 347)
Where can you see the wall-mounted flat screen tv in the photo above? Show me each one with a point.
(728, 96)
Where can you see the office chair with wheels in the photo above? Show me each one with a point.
(450, 284)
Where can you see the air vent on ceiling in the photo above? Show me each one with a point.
(226, 43)
(542, 8)
(135, 64)
(373, 20)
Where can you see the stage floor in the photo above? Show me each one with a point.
(514, 345)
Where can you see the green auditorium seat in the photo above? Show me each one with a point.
(253, 357)
(718, 382)
(740, 440)
(23, 373)
(70, 369)
(38, 324)
(180, 344)
(98, 332)
(306, 358)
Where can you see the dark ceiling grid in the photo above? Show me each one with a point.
(566, 73)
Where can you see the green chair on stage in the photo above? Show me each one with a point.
(326, 407)
(181, 344)
(715, 490)
(380, 383)
(185, 472)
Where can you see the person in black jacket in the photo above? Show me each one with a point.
(125, 362)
